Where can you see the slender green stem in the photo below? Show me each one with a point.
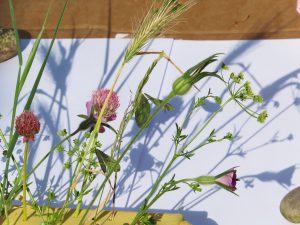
(148, 204)
(126, 118)
(16, 97)
(145, 206)
(3, 138)
(24, 182)
(206, 124)
(6, 146)
(6, 214)
(70, 189)
(157, 110)
(95, 132)
(49, 153)
(78, 207)
(97, 210)
(38, 211)
(13, 19)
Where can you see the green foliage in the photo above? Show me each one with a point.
(62, 133)
(157, 102)
(228, 136)
(107, 163)
(258, 99)
(142, 111)
(87, 135)
(195, 186)
(60, 148)
(262, 116)
(224, 66)
(179, 137)
(67, 165)
(147, 219)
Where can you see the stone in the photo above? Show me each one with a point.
(290, 206)
(8, 47)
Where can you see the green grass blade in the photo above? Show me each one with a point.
(39, 76)
(33, 52)
(16, 97)
(21, 79)
(14, 24)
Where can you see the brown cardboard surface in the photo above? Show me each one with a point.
(209, 19)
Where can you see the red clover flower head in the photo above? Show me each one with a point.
(27, 125)
(97, 102)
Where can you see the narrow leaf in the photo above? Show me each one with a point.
(14, 24)
(198, 68)
(109, 127)
(157, 102)
(83, 116)
(107, 162)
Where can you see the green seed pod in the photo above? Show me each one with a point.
(182, 85)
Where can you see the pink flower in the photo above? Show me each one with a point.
(298, 6)
(27, 125)
(97, 102)
(227, 180)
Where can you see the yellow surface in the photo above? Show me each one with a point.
(15, 218)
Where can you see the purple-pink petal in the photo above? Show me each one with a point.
(89, 105)
(229, 180)
(97, 102)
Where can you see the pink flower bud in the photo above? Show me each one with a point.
(27, 125)
(227, 180)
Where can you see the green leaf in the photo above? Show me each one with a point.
(198, 68)
(224, 66)
(157, 102)
(87, 191)
(83, 116)
(206, 74)
(142, 111)
(218, 100)
(76, 193)
(107, 162)
(33, 52)
(109, 127)
(13, 20)
(62, 132)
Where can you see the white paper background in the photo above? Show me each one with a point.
(267, 155)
